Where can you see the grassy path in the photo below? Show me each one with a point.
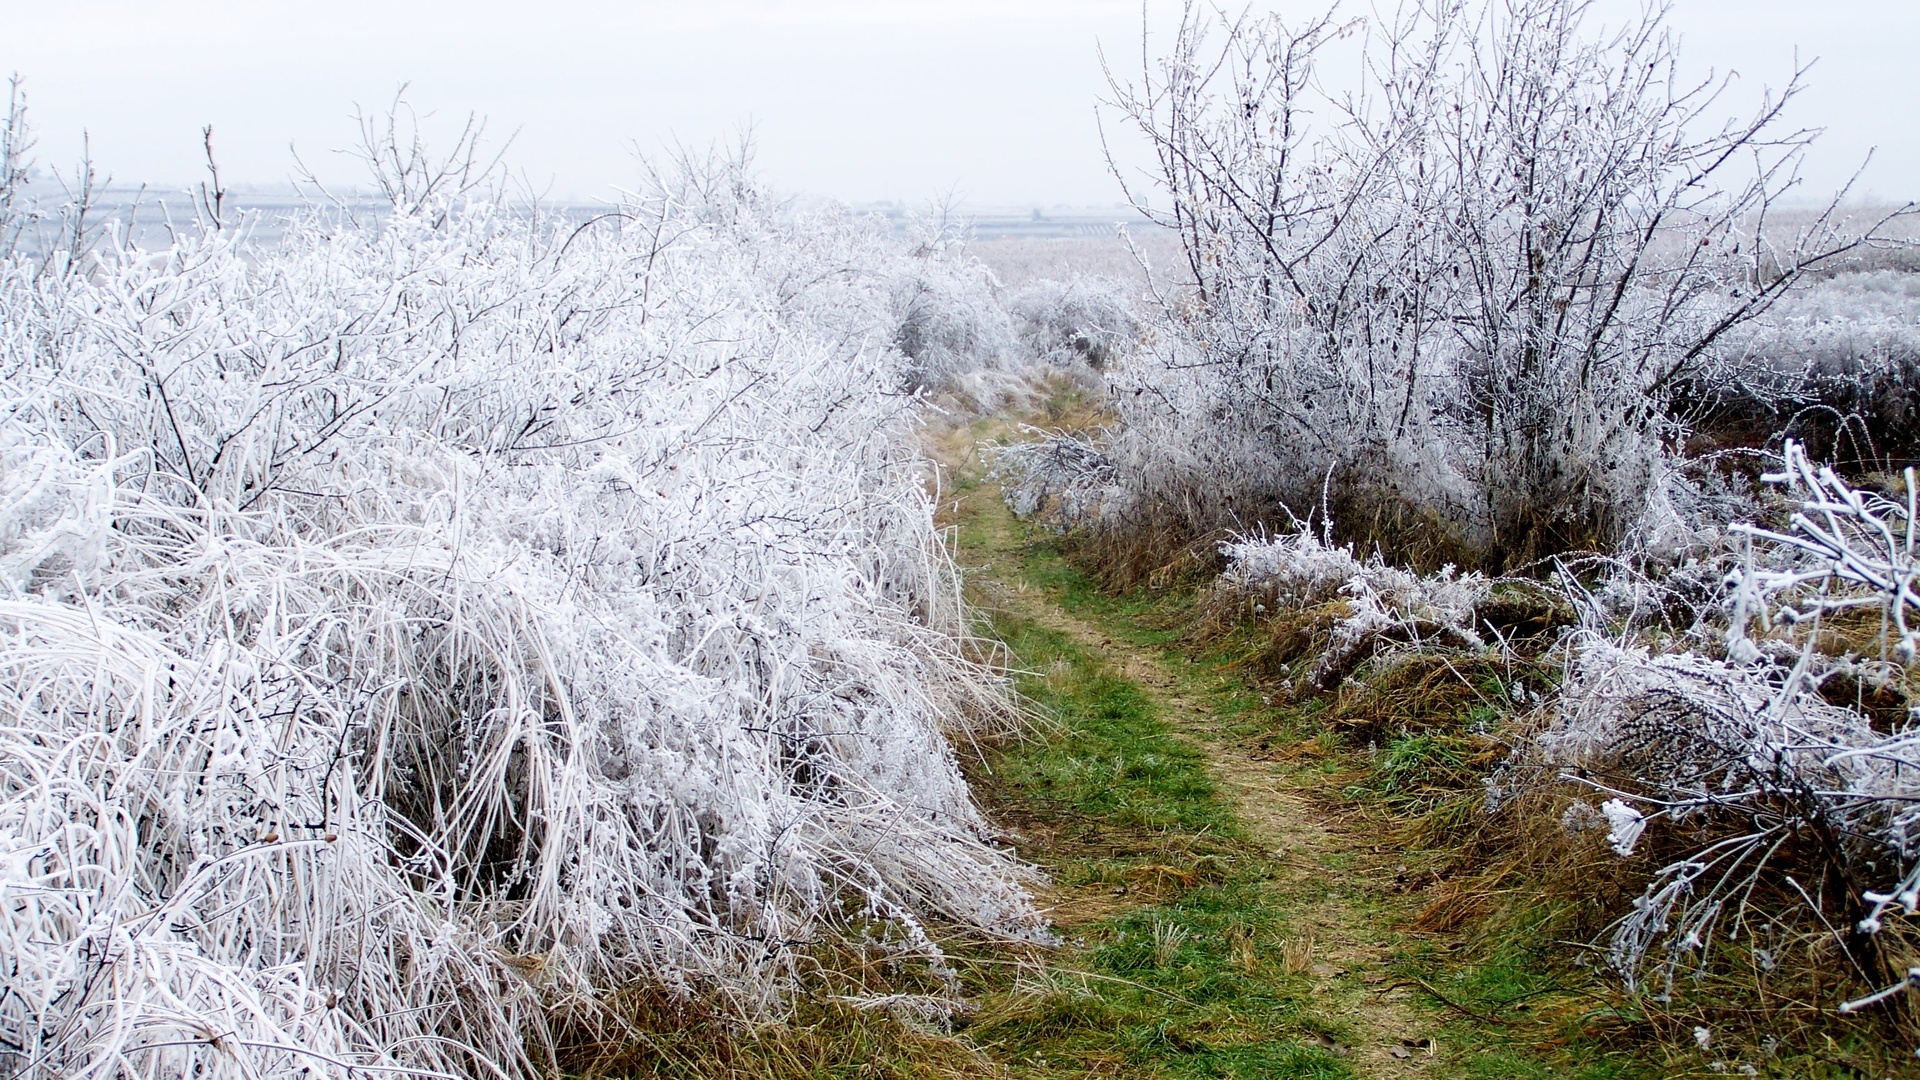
(1217, 924)
(1234, 885)
(1234, 899)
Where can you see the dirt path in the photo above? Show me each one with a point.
(1323, 869)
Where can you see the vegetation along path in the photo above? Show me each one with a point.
(1219, 918)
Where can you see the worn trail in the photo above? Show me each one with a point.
(1325, 877)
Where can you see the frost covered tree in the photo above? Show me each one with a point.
(1473, 283)
(16, 167)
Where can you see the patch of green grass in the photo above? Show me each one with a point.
(1408, 762)
(1517, 1012)
(1198, 982)
(1108, 757)
(1142, 617)
(1180, 971)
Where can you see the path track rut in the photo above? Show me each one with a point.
(1328, 868)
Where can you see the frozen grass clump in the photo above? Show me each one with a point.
(1789, 786)
(1297, 569)
(1384, 604)
(412, 632)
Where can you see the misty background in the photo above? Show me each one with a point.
(987, 102)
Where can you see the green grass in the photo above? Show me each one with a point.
(1190, 980)
(1197, 982)
(1108, 757)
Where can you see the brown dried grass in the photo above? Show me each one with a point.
(865, 1008)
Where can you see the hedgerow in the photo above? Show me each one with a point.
(414, 631)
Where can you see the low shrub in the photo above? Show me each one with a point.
(1084, 321)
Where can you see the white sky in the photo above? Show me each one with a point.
(856, 99)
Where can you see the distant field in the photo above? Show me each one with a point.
(1020, 251)
(1019, 245)
(1018, 260)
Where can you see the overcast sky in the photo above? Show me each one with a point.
(854, 99)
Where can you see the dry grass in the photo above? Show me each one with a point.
(1296, 954)
(1419, 690)
(1171, 538)
(881, 1039)
(1523, 875)
(1156, 554)
(1376, 517)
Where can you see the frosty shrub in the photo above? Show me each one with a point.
(415, 630)
(1708, 744)
(947, 320)
(16, 167)
(1810, 809)
(1470, 283)
(1060, 479)
(1836, 365)
(1083, 321)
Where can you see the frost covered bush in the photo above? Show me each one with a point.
(1469, 285)
(947, 320)
(1083, 321)
(948, 324)
(1724, 747)
(1845, 550)
(1060, 478)
(1131, 494)
(413, 631)
(1808, 805)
